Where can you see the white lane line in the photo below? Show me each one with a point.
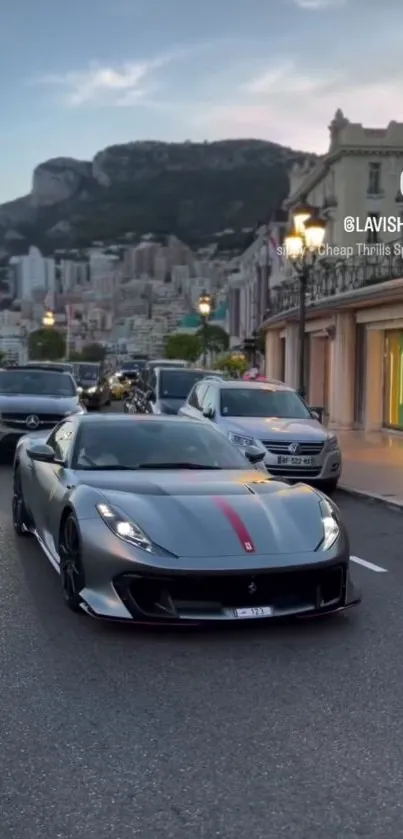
(369, 565)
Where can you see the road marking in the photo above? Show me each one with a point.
(369, 565)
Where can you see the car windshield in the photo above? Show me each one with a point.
(151, 444)
(262, 402)
(176, 384)
(86, 371)
(36, 382)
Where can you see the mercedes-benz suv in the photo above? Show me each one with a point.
(34, 399)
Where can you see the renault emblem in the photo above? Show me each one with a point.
(32, 422)
(252, 588)
(293, 448)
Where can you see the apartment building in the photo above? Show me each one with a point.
(354, 300)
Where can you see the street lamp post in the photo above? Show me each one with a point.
(302, 246)
(204, 306)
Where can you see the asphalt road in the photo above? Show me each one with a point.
(293, 731)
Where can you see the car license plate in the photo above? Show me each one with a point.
(294, 461)
(254, 612)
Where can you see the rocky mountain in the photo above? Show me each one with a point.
(194, 190)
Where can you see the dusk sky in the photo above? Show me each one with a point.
(77, 76)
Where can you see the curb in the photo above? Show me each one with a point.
(371, 497)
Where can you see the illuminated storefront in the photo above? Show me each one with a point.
(393, 379)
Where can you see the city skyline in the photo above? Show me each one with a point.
(91, 75)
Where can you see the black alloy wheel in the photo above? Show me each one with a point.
(21, 519)
(71, 568)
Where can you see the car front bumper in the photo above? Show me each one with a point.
(164, 590)
(324, 467)
(9, 437)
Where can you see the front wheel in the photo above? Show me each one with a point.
(21, 519)
(71, 567)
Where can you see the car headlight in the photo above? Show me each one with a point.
(92, 390)
(331, 529)
(79, 389)
(123, 527)
(332, 443)
(241, 440)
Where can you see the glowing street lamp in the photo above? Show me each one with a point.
(48, 319)
(205, 305)
(302, 245)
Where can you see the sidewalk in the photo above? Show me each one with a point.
(373, 464)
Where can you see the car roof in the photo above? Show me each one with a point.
(177, 369)
(172, 362)
(239, 384)
(43, 367)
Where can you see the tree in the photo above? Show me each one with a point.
(235, 364)
(216, 338)
(46, 344)
(184, 346)
(93, 352)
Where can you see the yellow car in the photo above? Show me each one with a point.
(120, 386)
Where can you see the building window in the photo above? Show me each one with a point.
(374, 179)
(393, 379)
(373, 235)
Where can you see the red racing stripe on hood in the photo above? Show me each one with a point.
(236, 523)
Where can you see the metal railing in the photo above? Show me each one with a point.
(330, 277)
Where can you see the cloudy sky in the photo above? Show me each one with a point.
(77, 75)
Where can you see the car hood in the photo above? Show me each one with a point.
(272, 428)
(43, 404)
(211, 514)
(169, 406)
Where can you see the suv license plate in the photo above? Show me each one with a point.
(294, 461)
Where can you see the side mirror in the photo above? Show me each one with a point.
(42, 453)
(254, 455)
(317, 413)
(209, 413)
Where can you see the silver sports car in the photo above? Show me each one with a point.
(158, 519)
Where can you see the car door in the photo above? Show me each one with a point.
(193, 405)
(47, 478)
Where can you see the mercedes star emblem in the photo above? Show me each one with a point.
(32, 421)
(252, 588)
(293, 448)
